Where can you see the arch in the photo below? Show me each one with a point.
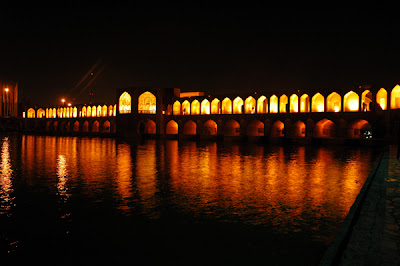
(76, 126)
(31, 113)
(110, 110)
(227, 106)
(115, 110)
(304, 103)
(125, 103)
(277, 129)
(75, 112)
(360, 129)
(190, 128)
(186, 107)
(381, 98)
(54, 112)
(283, 101)
(262, 105)
(195, 110)
(205, 107)
(325, 129)
(215, 106)
(366, 100)
(210, 128)
(147, 127)
(147, 103)
(255, 128)
(104, 111)
(89, 111)
(250, 105)
(55, 126)
(317, 103)
(238, 105)
(232, 128)
(333, 102)
(176, 108)
(351, 102)
(294, 103)
(84, 111)
(49, 112)
(171, 128)
(95, 126)
(94, 111)
(395, 97)
(106, 126)
(59, 112)
(299, 129)
(85, 126)
(40, 113)
(273, 104)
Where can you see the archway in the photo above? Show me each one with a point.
(83, 112)
(171, 128)
(95, 126)
(89, 111)
(277, 129)
(76, 127)
(351, 102)
(255, 128)
(304, 103)
(85, 126)
(94, 111)
(395, 98)
(106, 126)
(125, 104)
(283, 101)
(381, 98)
(273, 104)
(186, 107)
(99, 111)
(40, 113)
(147, 103)
(104, 111)
(176, 108)
(325, 129)
(210, 128)
(195, 107)
(190, 128)
(237, 105)
(227, 106)
(366, 100)
(250, 105)
(333, 102)
(294, 103)
(299, 129)
(215, 106)
(205, 107)
(360, 129)
(317, 104)
(262, 105)
(232, 128)
(31, 113)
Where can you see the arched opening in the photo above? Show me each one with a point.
(366, 100)
(333, 102)
(186, 107)
(381, 98)
(299, 129)
(104, 111)
(294, 103)
(106, 126)
(84, 111)
(273, 104)
(95, 126)
(99, 111)
(195, 107)
(75, 112)
(215, 106)
(232, 128)
(250, 105)
(325, 129)
(110, 110)
(89, 111)
(360, 129)
(304, 104)
(176, 108)
(147, 103)
(317, 104)
(255, 128)
(395, 98)
(171, 128)
(40, 113)
(190, 128)
(283, 101)
(147, 127)
(227, 106)
(125, 103)
(277, 129)
(262, 105)
(85, 126)
(238, 105)
(76, 127)
(210, 128)
(31, 113)
(351, 102)
(205, 107)
(94, 111)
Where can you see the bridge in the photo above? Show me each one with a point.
(364, 113)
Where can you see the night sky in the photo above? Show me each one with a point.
(48, 51)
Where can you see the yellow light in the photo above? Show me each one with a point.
(382, 103)
(6, 89)
(353, 105)
(63, 100)
(320, 107)
(336, 109)
(69, 104)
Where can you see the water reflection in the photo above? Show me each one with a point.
(6, 187)
(62, 177)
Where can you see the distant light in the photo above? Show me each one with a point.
(6, 89)
(69, 104)
(63, 100)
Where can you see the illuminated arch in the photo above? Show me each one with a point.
(304, 103)
(176, 108)
(294, 103)
(317, 103)
(299, 129)
(360, 129)
(94, 111)
(324, 129)
(262, 105)
(31, 113)
(40, 113)
(205, 107)
(195, 107)
(84, 111)
(227, 106)
(89, 111)
(366, 100)
(186, 107)
(395, 98)
(147, 103)
(237, 105)
(381, 98)
(250, 105)
(255, 128)
(283, 101)
(104, 111)
(351, 102)
(215, 106)
(333, 102)
(75, 112)
(171, 128)
(273, 104)
(125, 103)
(190, 128)
(277, 129)
(110, 110)
(210, 128)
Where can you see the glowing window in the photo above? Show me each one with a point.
(237, 105)
(99, 111)
(205, 107)
(294, 103)
(262, 105)
(381, 98)
(304, 103)
(89, 111)
(40, 113)
(176, 108)
(75, 112)
(195, 107)
(125, 103)
(147, 103)
(283, 101)
(227, 106)
(395, 98)
(31, 113)
(94, 111)
(215, 106)
(333, 102)
(84, 111)
(110, 110)
(273, 104)
(250, 105)
(318, 104)
(186, 108)
(351, 102)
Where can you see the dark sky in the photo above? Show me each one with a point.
(48, 51)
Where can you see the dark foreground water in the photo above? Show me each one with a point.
(94, 200)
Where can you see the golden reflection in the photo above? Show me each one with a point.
(62, 176)
(6, 187)
(124, 174)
